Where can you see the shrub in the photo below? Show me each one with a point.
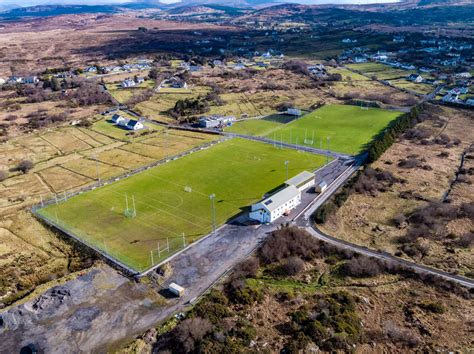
(286, 242)
(433, 307)
(3, 175)
(247, 268)
(214, 312)
(24, 166)
(187, 334)
(293, 265)
(361, 267)
(238, 292)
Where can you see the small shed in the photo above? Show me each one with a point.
(321, 187)
(176, 289)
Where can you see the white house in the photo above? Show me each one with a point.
(302, 180)
(465, 75)
(293, 112)
(415, 78)
(128, 83)
(134, 125)
(273, 207)
(119, 120)
(31, 80)
(2, 81)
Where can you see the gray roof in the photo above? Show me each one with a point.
(279, 198)
(300, 179)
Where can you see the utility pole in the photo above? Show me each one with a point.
(213, 197)
(286, 165)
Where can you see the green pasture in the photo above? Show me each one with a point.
(173, 200)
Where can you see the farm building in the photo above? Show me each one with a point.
(215, 121)
(302, 181)
(273, 207)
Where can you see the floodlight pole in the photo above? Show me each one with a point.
(151, 255)
(184, 241)
(158, 248)
(168, 244)
(286, 165)
(134, 209)
(126, 202)
(42, 204)
(328, 140)
(213, 197)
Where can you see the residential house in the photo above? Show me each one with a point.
(128, 83)
(133, 124)
(91, 69)
(398, 39)
(415, 78)
(119, 120)
(464, 75)
(30, 80)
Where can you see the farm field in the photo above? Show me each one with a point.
(157, 107)
(419, 88)
(259, 126)
(107, 127)
(350, 128)
(122, 95)
(381, 71)
(171, 202)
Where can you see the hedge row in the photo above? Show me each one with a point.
(384, 140)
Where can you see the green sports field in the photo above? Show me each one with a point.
(173, 199)
(349, 128)
(259, 126)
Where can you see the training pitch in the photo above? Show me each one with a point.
(340, 128)
(173, 199)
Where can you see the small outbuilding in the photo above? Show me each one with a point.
(176, 289)
(321, 187)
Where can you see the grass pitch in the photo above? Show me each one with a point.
(350, 128)
(173, 199)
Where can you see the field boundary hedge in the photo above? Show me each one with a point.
(377, 147)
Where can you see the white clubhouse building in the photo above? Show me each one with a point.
(283, 201)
